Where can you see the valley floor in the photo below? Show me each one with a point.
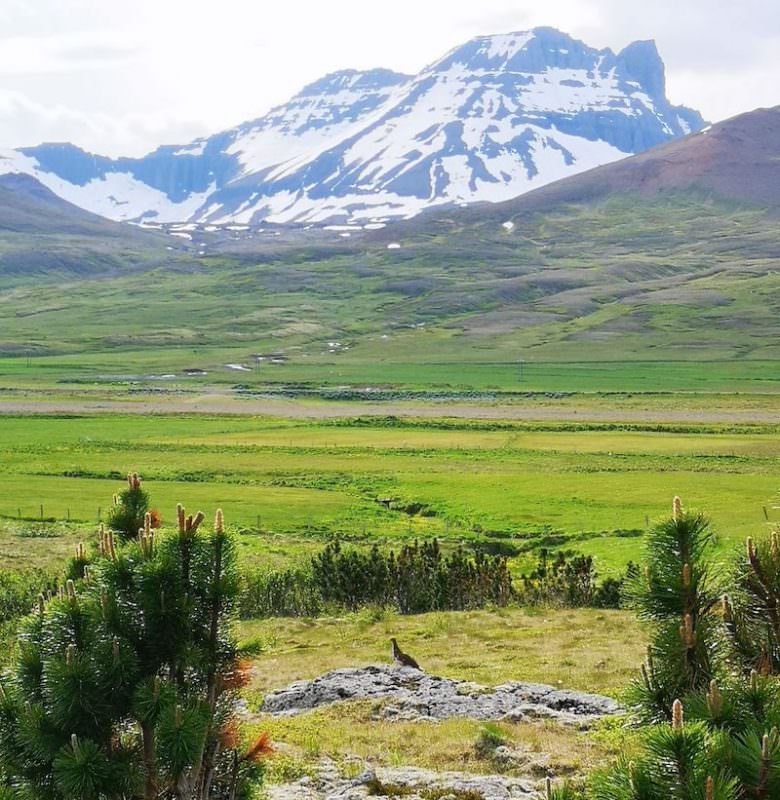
(582, 471)
(586, 410)
(290, 484)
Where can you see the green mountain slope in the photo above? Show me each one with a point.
(677, 270)
(43, 237)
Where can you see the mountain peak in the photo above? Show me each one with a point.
(543, 48)
(492, 119)
(484, 51)
(529, 51)
(643, 62)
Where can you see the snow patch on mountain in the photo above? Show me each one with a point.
(116, 195)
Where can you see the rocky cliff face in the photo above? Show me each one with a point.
(492, 119)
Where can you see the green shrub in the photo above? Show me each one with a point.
(565, 579)
(283, 593)
(18, 591)
(419, 578)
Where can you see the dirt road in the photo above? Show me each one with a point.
(213, 404)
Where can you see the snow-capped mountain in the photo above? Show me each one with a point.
(492, 119)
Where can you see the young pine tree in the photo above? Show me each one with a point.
(125, 684)
(677, 593)
(126, 517)
(728, 746)
(752, 612)
(700, 759)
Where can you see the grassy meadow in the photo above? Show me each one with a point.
(290, 485)
(553, 387)
(674, 293)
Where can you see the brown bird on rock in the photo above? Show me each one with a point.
(401, 658)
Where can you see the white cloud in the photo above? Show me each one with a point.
(24, 121)
(63, 53)
(122, 76)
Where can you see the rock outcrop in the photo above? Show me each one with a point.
(412, 694)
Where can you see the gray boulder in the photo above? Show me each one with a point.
(412, 694)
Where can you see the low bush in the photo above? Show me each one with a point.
(282, 593)
(18, 591)
(416, 579)
(421, 578)
(568, 580)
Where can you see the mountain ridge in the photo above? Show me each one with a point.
(737, 160)
(43, 237)
(491, 119)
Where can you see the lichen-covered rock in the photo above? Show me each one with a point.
(412, 694)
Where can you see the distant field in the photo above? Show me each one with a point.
(290, 485)
(162, 370)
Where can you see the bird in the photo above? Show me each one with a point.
(401, 658)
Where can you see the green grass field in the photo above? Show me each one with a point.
(549, 387)
(594, 651)
(552, 387)
(289, 485)
(591, 650)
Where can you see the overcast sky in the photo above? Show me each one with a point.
(122, 76)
